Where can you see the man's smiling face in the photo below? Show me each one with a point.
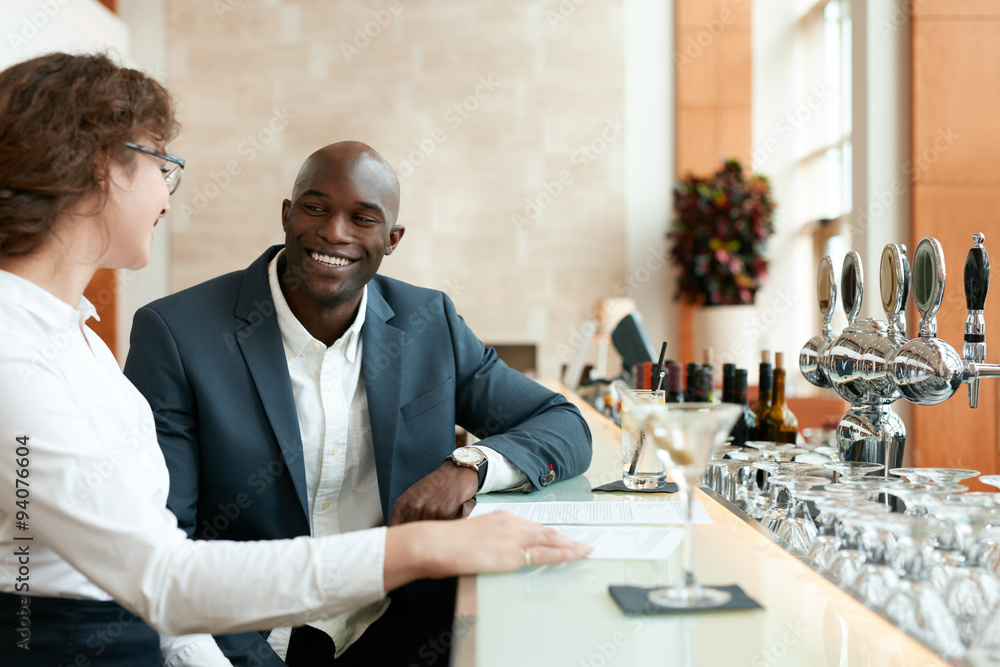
(339, 224)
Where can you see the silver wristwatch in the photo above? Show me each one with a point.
(471, 457)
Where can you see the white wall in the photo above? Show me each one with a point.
(786, 304)
(649, 163)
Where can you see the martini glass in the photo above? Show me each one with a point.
(798, 530)
(918, 495)
(950, 475)
(852, 469)
(914, 475)
(748, 491)
(992, 480)
(687, 433)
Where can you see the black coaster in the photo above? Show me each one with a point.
(619, 487)
(633, 600)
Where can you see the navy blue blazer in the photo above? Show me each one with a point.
(211, 364)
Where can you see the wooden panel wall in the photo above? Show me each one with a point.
(956, 192)
(103, 293)
(713, 74)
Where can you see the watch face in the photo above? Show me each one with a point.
(468, 455)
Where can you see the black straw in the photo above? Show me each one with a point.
(659, 367)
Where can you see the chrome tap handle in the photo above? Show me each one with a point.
(977, 284)
(811, 356)
(852, 286)
(892, 281)
(928, 284)
(826, 293)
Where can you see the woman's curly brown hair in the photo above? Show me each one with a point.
(63, 119)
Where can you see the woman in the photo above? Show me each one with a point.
(84, 179)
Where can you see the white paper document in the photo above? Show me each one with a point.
(626, 542)
(598, 513)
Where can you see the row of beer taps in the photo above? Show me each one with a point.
(871, 363)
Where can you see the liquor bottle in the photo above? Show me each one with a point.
(690, 381)
(763, 403)
(748, 420)
(675, 383)
(703, 385)
(728, 375)
(709, 363)
(780, 425)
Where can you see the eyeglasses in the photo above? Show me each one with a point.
(171, 172)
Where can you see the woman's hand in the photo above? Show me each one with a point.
(496, 542)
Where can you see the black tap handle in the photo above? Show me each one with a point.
(977, 275)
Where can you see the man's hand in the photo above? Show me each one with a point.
(443, 494)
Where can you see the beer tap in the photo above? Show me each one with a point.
(977, 284)
(812, 352)
(858, 364)
(927, 370)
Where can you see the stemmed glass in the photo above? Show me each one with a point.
(992, 480)
(852, 469)
(687, 433)
(777, 507)
(950, 475)
(798, 530)
(915, 605)
(748, 491)
(916, 495)
(913, 475)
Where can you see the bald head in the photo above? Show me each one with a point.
(356, 162)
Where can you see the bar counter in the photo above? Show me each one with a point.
(564, 615)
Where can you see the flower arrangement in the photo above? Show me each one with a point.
(720, 231)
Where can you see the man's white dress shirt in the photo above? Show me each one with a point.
(341, 486)
(97, 515)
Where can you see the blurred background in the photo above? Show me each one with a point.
(538, 143)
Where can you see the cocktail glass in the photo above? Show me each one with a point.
(917, 495)
(950, 475)
(991, 480)
(798, 530)
(914, 475)
(915, 606)
(852, 469)
(687, 433)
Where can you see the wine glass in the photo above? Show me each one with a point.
(687, 433)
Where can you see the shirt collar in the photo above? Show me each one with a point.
(42, 303)
(294, 336)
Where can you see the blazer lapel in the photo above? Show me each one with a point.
(260, 340)
(382, 365)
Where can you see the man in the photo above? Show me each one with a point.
(307, 394)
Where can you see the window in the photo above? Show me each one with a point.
(821, 126)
